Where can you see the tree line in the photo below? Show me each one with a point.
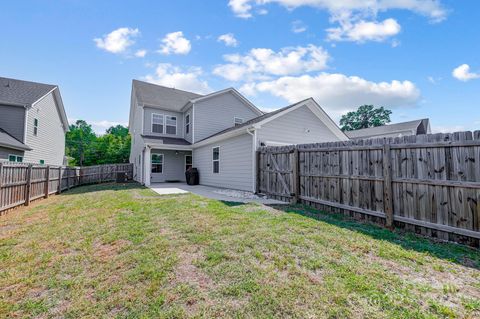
(85, 148)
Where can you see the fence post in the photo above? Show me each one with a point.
(68, 177)
(60, 179)
(28, 185)
(1, 181)
(387, 186)
(47, 181)
(296, 176)
(257, 178)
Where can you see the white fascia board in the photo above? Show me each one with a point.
(161, 146)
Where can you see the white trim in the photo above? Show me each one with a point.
(44, 96)
(163, 163)
(227, 90)
(254, 160)
(163, 124)
(216, 160)
(193, 121)
(169, 146)
(176, 124)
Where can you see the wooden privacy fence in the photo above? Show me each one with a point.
(21, 183)
(428, 183)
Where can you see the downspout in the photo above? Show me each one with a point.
(254, 164)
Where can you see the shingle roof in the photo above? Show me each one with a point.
(167, 140)
(156, 95)
(386, 129)
(9, 141)
(254, 120)
(20, 92)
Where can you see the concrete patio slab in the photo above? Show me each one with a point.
(217, 193)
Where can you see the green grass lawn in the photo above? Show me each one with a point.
(121, 251)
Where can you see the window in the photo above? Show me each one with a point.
(187, 124)
(188, 162)
(15, 158)
(42, 162)
(157, 163)
(157, 123)
(171, 124)
(237, 121)
(216, 159)
(35, 127)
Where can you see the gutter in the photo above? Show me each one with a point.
(254, 150)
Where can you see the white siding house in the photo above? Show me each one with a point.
(33, 122)
(220, 132)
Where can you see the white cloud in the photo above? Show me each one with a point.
(99, 127)
(228, 39)
(362, 31)
(261, 63)
(448, 128)
(141, 53)
(175, 43)
(339, 93)
(463, 73)
(430, 8)
(184, 79)
(356, 18)
(118, 40)
(298, 26)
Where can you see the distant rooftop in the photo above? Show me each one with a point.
(416, 127)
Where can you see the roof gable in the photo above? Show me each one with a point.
(231, 91)
(22, 93)
(160, 96)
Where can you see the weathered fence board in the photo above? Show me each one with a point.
(21, 183)
(429, 184)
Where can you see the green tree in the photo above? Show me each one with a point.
(85, 148)
(365, 116)
(79, 141)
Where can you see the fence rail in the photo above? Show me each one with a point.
(21, 183)
(429, 184)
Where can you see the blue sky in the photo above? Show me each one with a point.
(421, 58)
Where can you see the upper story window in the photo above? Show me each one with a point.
(157, 123)
(187, 124)
(35, 127)
(237, 121)
(171, 124)
(216, 159)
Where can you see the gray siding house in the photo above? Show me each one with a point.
(217, 133)
(33, 122)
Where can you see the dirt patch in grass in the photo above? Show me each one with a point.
(105, 251)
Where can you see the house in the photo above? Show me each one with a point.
(173, 130)
(33, 122)
(417, 127)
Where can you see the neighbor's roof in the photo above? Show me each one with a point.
(156, 95)
(399, 128)
(7, 140)
(24, 93)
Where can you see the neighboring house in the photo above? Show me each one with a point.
(33, 122)
(173, 130)
(417, 127)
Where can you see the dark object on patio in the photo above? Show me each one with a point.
(122, 177)
(192, 176)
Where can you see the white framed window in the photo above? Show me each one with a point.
(171, 124)
(188, 162)
(35, 127)
(157, 163)
(237, 121)
(157, 123)
(187, 124)
(15, 158)
(216, 159)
